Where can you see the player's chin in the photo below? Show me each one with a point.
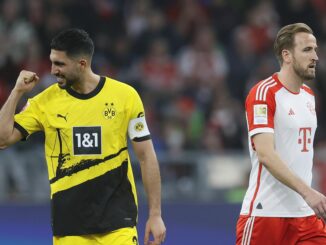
(62, 85)
(310, 75)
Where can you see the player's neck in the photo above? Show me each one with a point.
(87, 83)
(290, 80)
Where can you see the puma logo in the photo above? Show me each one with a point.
(135, 240)
(61, 116)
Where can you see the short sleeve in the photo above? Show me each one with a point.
(260, 112)
(28, 121)
(137, 127)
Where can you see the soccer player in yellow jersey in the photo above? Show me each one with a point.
(86, 119)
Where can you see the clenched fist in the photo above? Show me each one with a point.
(26, 81)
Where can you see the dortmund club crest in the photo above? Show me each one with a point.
(109, 111)
(139, 127)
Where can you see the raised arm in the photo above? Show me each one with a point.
(264, 145)
(152, 182)
(8, 133)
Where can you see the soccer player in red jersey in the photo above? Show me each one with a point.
(280, 207)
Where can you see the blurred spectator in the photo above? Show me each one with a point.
(298, 11)
(225, 122)
(122, 59)
(158, 27)
(262, 25)
(14, 182)
(15, 30)
(55, 21)
(241, 59)
(188, 15)
(224, 18)
(4, 92)
(203, 62)
(35, 60)
(137, 18)
(158, 70)
(36, 14)
(15, 35)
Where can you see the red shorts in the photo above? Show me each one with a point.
(280, 231)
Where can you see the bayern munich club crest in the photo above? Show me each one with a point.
(311, 108)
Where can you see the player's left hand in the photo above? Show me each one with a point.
(156, 227)
(317, 202)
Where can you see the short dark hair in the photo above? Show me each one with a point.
(285, 38)
(74, 42)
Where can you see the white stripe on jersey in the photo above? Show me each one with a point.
(262, 89)
(266, 89)
(268, 80)
(247, 232)
(250, 232)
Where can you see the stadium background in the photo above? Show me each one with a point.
(193, 62)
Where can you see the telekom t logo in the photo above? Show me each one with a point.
(304, 138)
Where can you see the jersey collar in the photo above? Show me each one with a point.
(89, 95)
(275, 76)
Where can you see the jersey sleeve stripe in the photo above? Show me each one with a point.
(246, 231)
(21, 130)
(266, 89)
(262, 89)
(268, 80)
(250, 231)
(140, 139)
(260, 130)
(264, 81)
(257, 188)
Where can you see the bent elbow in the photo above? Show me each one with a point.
(3, 145)
(263, 158)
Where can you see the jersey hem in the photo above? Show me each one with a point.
(22, 130)
(140, 139)
(279, 215)
(260, 130)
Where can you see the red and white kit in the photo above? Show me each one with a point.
(271, 108)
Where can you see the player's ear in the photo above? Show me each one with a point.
(286, 55)
(83, 63)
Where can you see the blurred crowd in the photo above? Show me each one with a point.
(192, 61)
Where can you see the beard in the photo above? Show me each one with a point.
(68, 81)
(304, 73)
(67, 84)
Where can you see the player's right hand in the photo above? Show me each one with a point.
(317, 202)
(26, 81)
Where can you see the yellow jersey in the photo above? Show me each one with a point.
(92, 185)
